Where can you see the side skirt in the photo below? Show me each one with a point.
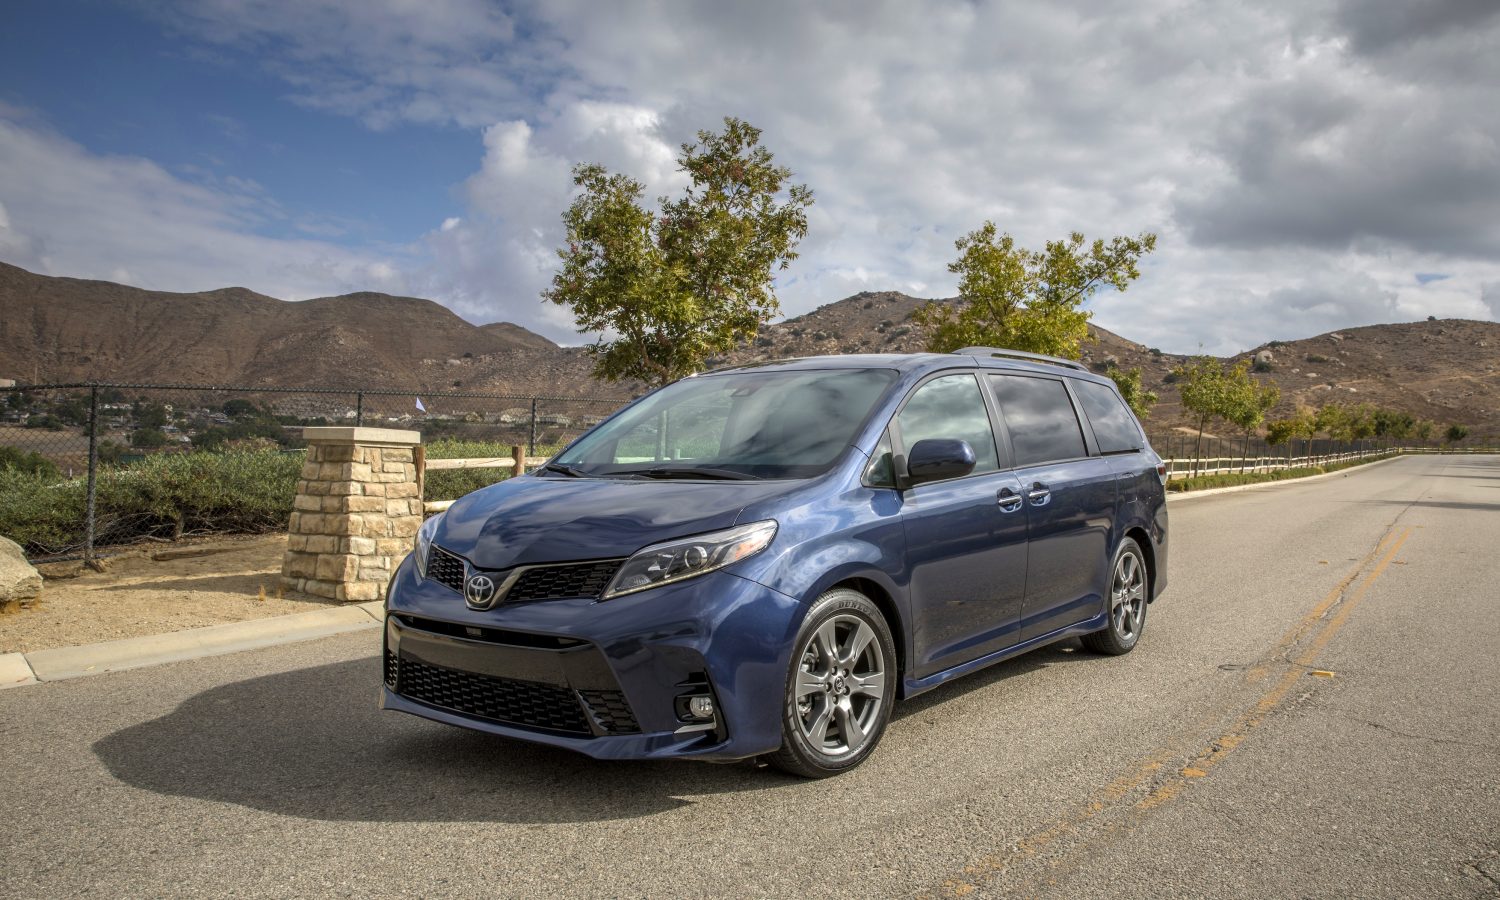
(914, 686)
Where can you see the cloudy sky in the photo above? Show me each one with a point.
(1308, 165)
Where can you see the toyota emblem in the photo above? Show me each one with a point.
(479, 591)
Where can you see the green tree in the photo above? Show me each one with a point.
(1248, 402)
(1301, 424)
(239, 407)
(148, 438)
(1456, 433)
(1424, 429)
(1028, 300)
(110, 452)
(1210, 391)
(1135, 394)
(1393, 423)
(690, 282)
(150, 415)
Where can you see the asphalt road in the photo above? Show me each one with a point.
(1312, 712)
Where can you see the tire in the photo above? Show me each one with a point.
(840, 689)
(1129, 586)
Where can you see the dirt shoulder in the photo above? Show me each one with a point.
(156, 590)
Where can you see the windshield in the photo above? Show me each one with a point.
(738, 425)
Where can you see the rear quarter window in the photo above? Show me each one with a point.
(1114, 425)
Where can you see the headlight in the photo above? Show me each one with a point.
(424, 543)
(690, 557)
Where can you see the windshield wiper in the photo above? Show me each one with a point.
(564, 469)
(690, 472)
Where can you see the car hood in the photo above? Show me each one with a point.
(522, 521)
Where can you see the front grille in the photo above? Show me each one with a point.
(610, 711)
(548, 582)
(524, 703)
(445, 568)
(559, 582)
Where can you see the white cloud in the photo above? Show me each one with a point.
(71, 212)
(1301, 161)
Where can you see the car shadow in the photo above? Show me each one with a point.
(312, 744)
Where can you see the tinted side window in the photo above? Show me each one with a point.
(950, 407)
(1114, 425)
(1043, 426)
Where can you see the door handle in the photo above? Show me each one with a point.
(1009, 500)
(1039, 494)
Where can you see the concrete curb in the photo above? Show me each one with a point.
(1189, 495)
(15, 671)
(18, 669)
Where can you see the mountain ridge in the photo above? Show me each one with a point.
(59, 329)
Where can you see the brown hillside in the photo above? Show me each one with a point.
(66, 329)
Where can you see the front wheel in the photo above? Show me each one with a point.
(1128, 587)
(840, 689)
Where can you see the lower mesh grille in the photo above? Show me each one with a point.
(524, 703)
(610, 712)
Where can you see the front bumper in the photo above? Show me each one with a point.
(599, 677)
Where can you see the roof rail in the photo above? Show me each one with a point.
(1021, 354)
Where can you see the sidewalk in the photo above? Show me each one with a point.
(18, 669)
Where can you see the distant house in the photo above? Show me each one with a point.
(7, 382)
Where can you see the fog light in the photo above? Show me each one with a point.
(701, 706)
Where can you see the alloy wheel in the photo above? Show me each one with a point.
(1127, 597)
(841, 685)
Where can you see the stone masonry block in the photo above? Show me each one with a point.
(337, 452)
(359, 546)
(307, 502)
(393, 547)
(402, 489)
(337, 567)
(361, 591)
(377, 573)
(320, 588)
(299, 565)
(322, 543)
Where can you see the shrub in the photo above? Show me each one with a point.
(28, 461)
(164, 495)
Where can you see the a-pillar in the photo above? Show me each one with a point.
(358, 507)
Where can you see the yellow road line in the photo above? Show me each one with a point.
(1108, 797)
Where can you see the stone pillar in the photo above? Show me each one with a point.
(358, 508)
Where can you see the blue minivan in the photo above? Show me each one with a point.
(760, 561)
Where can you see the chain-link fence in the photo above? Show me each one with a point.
(96, 465)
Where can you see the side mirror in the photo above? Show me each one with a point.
(936, 459)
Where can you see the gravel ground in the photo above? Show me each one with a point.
(139, 595)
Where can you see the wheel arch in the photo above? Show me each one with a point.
(886, 603)
(1142, 540)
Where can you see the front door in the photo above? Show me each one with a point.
(965, 537)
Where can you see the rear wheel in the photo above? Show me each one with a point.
(840, 689)
(1129, 585)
